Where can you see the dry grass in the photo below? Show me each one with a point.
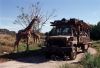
(71, 66)
(6, 43)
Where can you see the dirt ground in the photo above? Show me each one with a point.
(41, 62)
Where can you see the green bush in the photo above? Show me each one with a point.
(96, 45)
(95, 31)
(89, 61)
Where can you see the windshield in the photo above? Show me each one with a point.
(61, 31)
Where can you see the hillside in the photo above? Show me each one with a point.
(6, 31)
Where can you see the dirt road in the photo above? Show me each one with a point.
(41, 62)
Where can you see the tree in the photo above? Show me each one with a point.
(95, 32)
(25, 18)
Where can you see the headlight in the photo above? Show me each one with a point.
(69, 43)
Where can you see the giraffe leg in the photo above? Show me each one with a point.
(16, 44)
(37, 40)
(27, 48)
(17, 49)
(34, 40)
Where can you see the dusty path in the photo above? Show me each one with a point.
(42, 64)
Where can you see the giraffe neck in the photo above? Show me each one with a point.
(30, 25)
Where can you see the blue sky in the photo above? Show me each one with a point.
(87, 10)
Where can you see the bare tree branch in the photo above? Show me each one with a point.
(47, 18)
(25, 18)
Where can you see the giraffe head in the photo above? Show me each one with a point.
(36, 18)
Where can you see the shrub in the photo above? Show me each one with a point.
(89, 61)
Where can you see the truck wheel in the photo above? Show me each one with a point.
(83, 48)
(65, 58)
(47, 55)
(53, 57)
(73, 54)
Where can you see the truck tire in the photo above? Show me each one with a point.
(83, 48)
(47, 55)
(73, 54)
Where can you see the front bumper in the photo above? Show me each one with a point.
(58, 50)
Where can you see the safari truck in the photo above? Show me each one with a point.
(66, 38)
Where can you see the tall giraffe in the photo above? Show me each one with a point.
(25, 34)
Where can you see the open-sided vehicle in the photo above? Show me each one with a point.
(66, 37)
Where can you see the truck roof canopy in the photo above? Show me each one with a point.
(71, 22)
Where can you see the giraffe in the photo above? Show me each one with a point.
(36, 37)
(25, 34)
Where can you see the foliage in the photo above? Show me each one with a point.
(96, 45)
(95, 32)
(89, 61)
